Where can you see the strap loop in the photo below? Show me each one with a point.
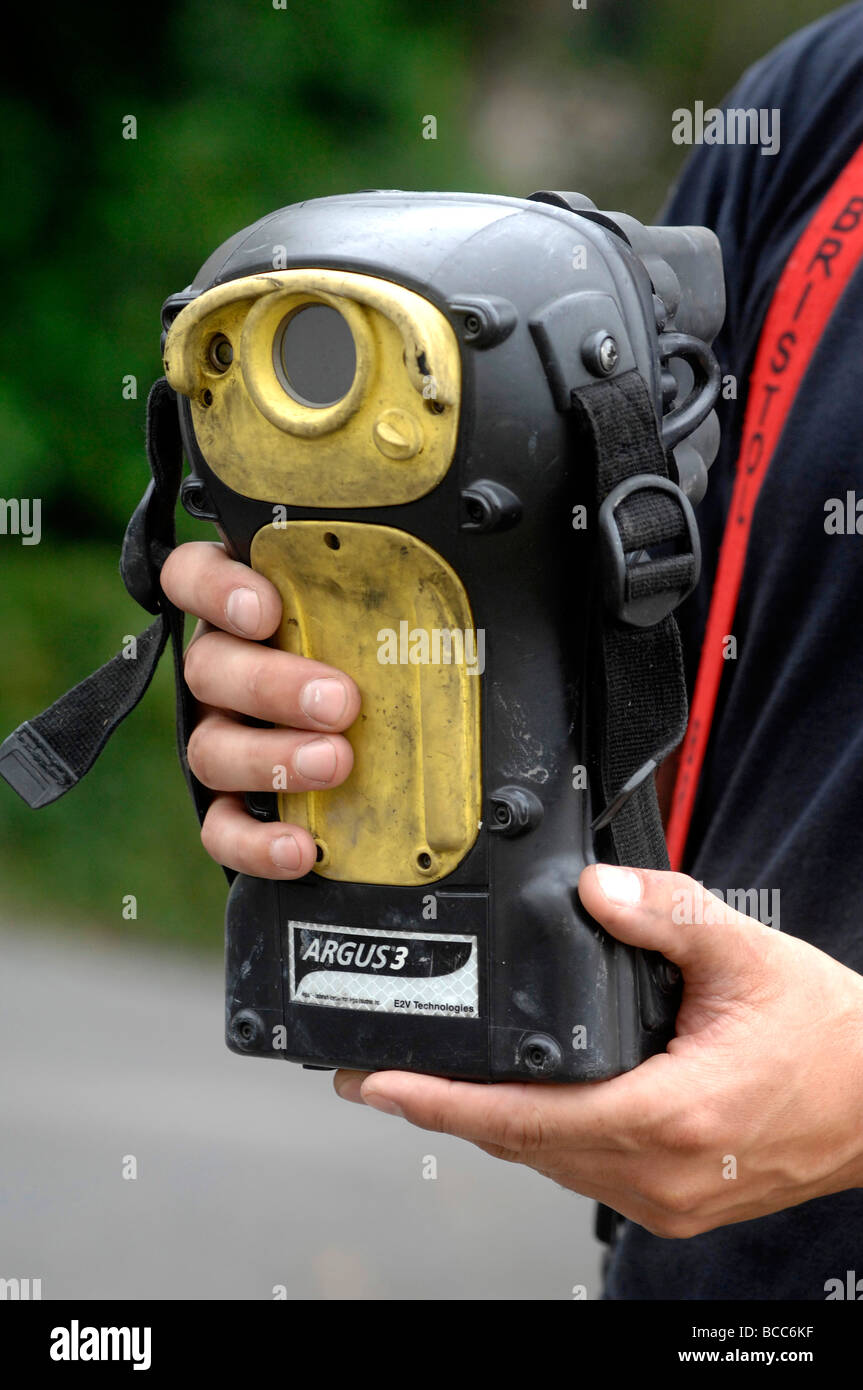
(641, 511)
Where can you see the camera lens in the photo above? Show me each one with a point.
(315, 357)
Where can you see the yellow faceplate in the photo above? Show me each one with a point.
(409, 811)
(389, 440)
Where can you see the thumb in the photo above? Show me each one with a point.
(673, 914)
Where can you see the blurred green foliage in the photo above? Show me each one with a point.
(242, 107)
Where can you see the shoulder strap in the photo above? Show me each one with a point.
(817, 272)
(45, 757)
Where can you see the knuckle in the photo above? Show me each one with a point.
(498, 1151)
(196, 664)
(200, 754)
(258, 677)
(210, 838)
(674, 1227)
(168, 573)
(689, 1132)
(677, 1204)
(440, 1120)
(680, 891)
(678, 1209)
(527, 1130)
(640, 1134)
(685, 881)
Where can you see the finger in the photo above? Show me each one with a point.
(348, 1085)
(268, 684)
(675, 915)
(233, 757)
(264, 850)
(200, 578)
(515, 1116)
(601, 1174)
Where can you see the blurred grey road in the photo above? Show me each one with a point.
(251, 1174)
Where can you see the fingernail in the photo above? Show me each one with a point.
(316, 760)
(619, 885)
(350, 1089)
(243, 610)
(285, 852)
(382, 1103)
(324, 700)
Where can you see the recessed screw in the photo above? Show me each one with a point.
(600, 353)
(607, 355)
(514, 811)
(246, 1029)
(541, 1054)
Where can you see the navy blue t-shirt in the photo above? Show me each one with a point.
(780, 802)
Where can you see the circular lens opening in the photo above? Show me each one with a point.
(220, 353)
(315, 357)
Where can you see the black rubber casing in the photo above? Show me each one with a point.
(559, 999)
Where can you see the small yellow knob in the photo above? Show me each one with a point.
(397, 434)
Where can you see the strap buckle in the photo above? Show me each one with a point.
(640, 589)
(33, 768)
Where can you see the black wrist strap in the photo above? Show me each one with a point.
(45, 757)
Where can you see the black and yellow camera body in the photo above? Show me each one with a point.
(386, 404)
(462, 436)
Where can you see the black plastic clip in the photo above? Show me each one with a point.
(30, 765)
(641, 590)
